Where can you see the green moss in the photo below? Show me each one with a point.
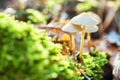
(27, 53)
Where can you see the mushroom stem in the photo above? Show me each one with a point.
(89, 40)
(73, 41)
(20, 5)
(82, 42)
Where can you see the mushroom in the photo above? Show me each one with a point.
(69, 27)
(90, 30)
(65, 39)
(97, 18)
(86, 23)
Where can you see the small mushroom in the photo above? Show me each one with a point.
(10, 11)
(86, 23)
(69, 27)
(90, 29)
(98, 19)
(65, 37)
(84, 19)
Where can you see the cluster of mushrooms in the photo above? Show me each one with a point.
(85, 22)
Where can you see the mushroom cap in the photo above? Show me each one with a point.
(84, 19)
(95, 16)
(10, 11)
(88, 28)
(70, 28)
(91, 29)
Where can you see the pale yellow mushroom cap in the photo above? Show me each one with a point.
(91, 29)
(70, 28)
(87, 19)
(84, 19)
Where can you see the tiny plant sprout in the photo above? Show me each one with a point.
(69, 27)
(87, 24)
